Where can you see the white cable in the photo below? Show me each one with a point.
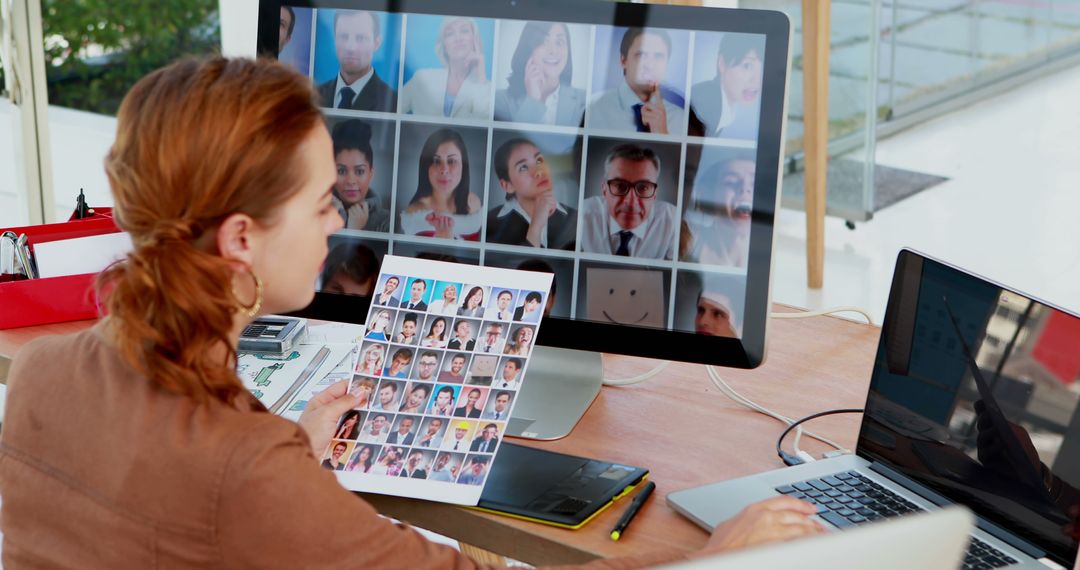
(744, 401)
(808, 314)
(636, 379)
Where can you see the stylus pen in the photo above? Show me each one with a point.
(632, 511)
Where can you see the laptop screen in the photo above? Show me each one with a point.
(974, 394)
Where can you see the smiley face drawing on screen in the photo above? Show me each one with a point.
(625, 296)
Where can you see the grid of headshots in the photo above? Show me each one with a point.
(572, 148)
(439, 368)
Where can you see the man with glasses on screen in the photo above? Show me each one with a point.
(356, 39)
(627, 219)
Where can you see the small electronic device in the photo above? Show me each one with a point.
(272, 335)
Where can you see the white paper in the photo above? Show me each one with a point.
(343, 371)
(76, 256)
(470, 409)
(270, 377)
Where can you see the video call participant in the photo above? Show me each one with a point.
(415, 301)
(361, 208)
(456, 373)
(277, 156)
(442, 471)
(531, 215)
(334, 462)
(521, 343)
(458, 440)
(529, 311)
(462, 337)
(356, 39)
(443, 404)
(541, 71)
(715, 316)
(500, 410)
(475, 471)
(404, 434)
(716, 227)
(626, 218)
(416, 399)
(637, 104)
(285, 27)
(351, 269)
(375, 429)
(414, 467)
(715, 104)
(510, 378)
(460, 88)
(389, 296)
(407, 334)
(487, 441)
(431, 435)
(444, 204)
(399, 365)
(469, 409)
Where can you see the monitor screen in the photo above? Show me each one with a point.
(631, 150)
(974, 394)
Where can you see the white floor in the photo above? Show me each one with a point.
(1009, 210)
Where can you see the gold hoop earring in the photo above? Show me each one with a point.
(252, 309)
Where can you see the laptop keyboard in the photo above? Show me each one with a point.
(850, 498)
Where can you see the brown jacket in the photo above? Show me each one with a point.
(101, 469)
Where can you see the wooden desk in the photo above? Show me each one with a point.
(676, 424)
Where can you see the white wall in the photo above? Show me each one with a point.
(239, 31)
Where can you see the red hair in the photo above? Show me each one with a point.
(196, 141)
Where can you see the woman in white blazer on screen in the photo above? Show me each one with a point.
(460, 89)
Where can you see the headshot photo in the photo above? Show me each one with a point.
(530, 306)
(482, 370)
(541, 73)
(470, 403)
(454, 78)
(639, 80)
(621, 295)
(363, 458)
(372, 358)
(403, 431)
(725, 100)
(509, 373)
(710, 303)
(390, 462)
(431, 433)
(446, 467)
(718, 206)
(417, 464)
(556, 304)
(533, 192)
(388, 396)
(407, 326)
(445, 298)
(357, 57)
(380, 325)
(492, 338)
(363, 159)
(416, 398)
(459, 436)
(520, 341)
(463, 334)
(399, 364)
(364, 388)
(474, 299)
(455, 367)
(443, 402)
(389, 290)
(352, 266)
(376, 428)
(439, 189)
(417, 293)
(488, 439)
(294, 38)
(336, 454)
(436, 331)
(427, 365)
(501, 305)
(630, 190)
(349, 425)
(475, 470)
(499, 406)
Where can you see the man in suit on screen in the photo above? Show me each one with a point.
(356, 39)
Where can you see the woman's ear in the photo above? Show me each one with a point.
(235, 238)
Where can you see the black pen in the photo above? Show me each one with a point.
(632, 510)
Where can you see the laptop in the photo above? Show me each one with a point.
(930, 540)
(973, 401)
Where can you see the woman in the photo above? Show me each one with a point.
(359, 207)
(541, 70)
(351, 269)
(718, 220)
(448, 304)
(379, 327)
(208, 237)
(444, 205)
(349, 427)
(363, 391)
(473, 305)
(522, 342)
(460, 88)
(436, 336)
(362, 459)
(371, 361)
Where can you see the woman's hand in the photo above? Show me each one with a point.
(542, 210)
(476, 64)
(358, 215)
(320, 417)
(444, 225)
(534, 80)
(772, 520)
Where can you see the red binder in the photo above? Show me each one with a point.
(55, 299)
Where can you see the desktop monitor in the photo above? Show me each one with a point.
(632, 150)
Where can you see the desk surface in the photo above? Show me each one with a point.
(676, 424)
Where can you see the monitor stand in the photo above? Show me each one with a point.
(559, 386)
